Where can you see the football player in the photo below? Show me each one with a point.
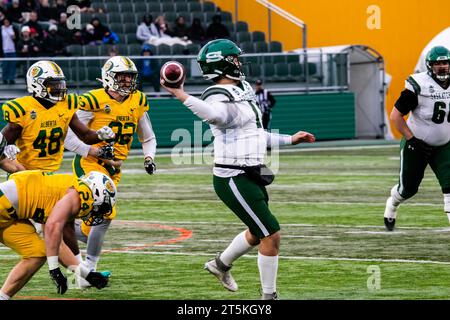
(120, 106)
(426, 133)
(38, 123)
(54, 199)
(240, 146)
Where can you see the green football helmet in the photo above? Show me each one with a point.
(220, 58)
(435, 55)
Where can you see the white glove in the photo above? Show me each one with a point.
(10, 151)
(105, 133)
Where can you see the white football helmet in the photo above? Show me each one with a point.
(104, 193)
(113, 69)
(45, 79)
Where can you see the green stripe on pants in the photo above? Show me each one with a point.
(249, 202)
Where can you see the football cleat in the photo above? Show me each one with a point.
(222, 273)
(269, 296)
(389, 223)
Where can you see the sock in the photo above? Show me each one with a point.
(237, 248)
(4, 296)
(392, 203)
(79, 258)
(268, 268)
(447, 205)
(91, 262)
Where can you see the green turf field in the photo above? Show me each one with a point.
(330, 205)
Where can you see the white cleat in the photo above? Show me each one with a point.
(222, 273)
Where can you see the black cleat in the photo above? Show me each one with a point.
(389, 223)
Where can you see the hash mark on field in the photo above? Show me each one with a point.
(375, 232)
(317, 237)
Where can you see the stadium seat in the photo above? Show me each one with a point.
(122, 49)
(261, 47)
(126, 7)
(246, 46)
(91, 51)
(163, 50)
(208, 6)
(254, 70)
(181, 6)
(296, 70)
(226, 16)
(114, 18)
(281, 72)
(199, 15)
(129, 17)
(292, 58)
(98, 5)
(281, 58)
(129, 28)
(243, 36)
(186, 15)
(93, 74)
(116, 27)
(258, 36)
(75, 49)
(109, 1)
(208, 17)
(193, 48)
(134, 49)
(268, 71)
(275, 46)
(241, 26)
(140, 7)
(170, 16)
(167, 7)
(112, 7)
(101, 16)
(194, 6)
(154, 8)
(178, 49)
(130, 38)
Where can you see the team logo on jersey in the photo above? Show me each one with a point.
(107, 109)
(36, 71)
(432, 89)
(33, 114)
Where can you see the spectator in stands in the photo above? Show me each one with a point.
(84, 5)
(99, 29)
(266, 102)
(54, 44)
(196, 33)
(89, 35)
(47, 13)
(110, 37)
(8, 50)
(78, 37)
(63, 30)
(33, 24)
(180, 29)
(14, 12)
(27, 46)
(148, 70)
(217, 30)
(27, 5)
(164, 35)
(147, 29)
(60, 8)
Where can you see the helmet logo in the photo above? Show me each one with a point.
(36, 71)
(109, 187)
(214, 56)
(127, 62)
(108, 66)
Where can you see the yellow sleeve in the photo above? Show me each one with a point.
(13, 112)
(143, 104)
(88, 102)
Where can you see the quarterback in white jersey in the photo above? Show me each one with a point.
(240, 144)
(426, 133)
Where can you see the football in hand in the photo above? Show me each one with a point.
(172, 74)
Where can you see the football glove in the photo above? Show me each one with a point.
(10, 151)
(106, 152)
(149, 166)
(97, 279)
(420, 146)
(59, 279)
(105, 133)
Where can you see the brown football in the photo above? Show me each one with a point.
(172, 74)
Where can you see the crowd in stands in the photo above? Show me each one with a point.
(33, 28)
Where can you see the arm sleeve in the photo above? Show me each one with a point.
(211, 112)
(72, 143)
(275, 139)
(147, 136)
(407, 101)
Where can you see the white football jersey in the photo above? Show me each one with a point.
(241, 140)
(430, 120)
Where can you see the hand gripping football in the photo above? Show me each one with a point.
(172, 74)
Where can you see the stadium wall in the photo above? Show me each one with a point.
(405, 27)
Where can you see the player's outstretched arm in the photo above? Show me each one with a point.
(87, 135)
